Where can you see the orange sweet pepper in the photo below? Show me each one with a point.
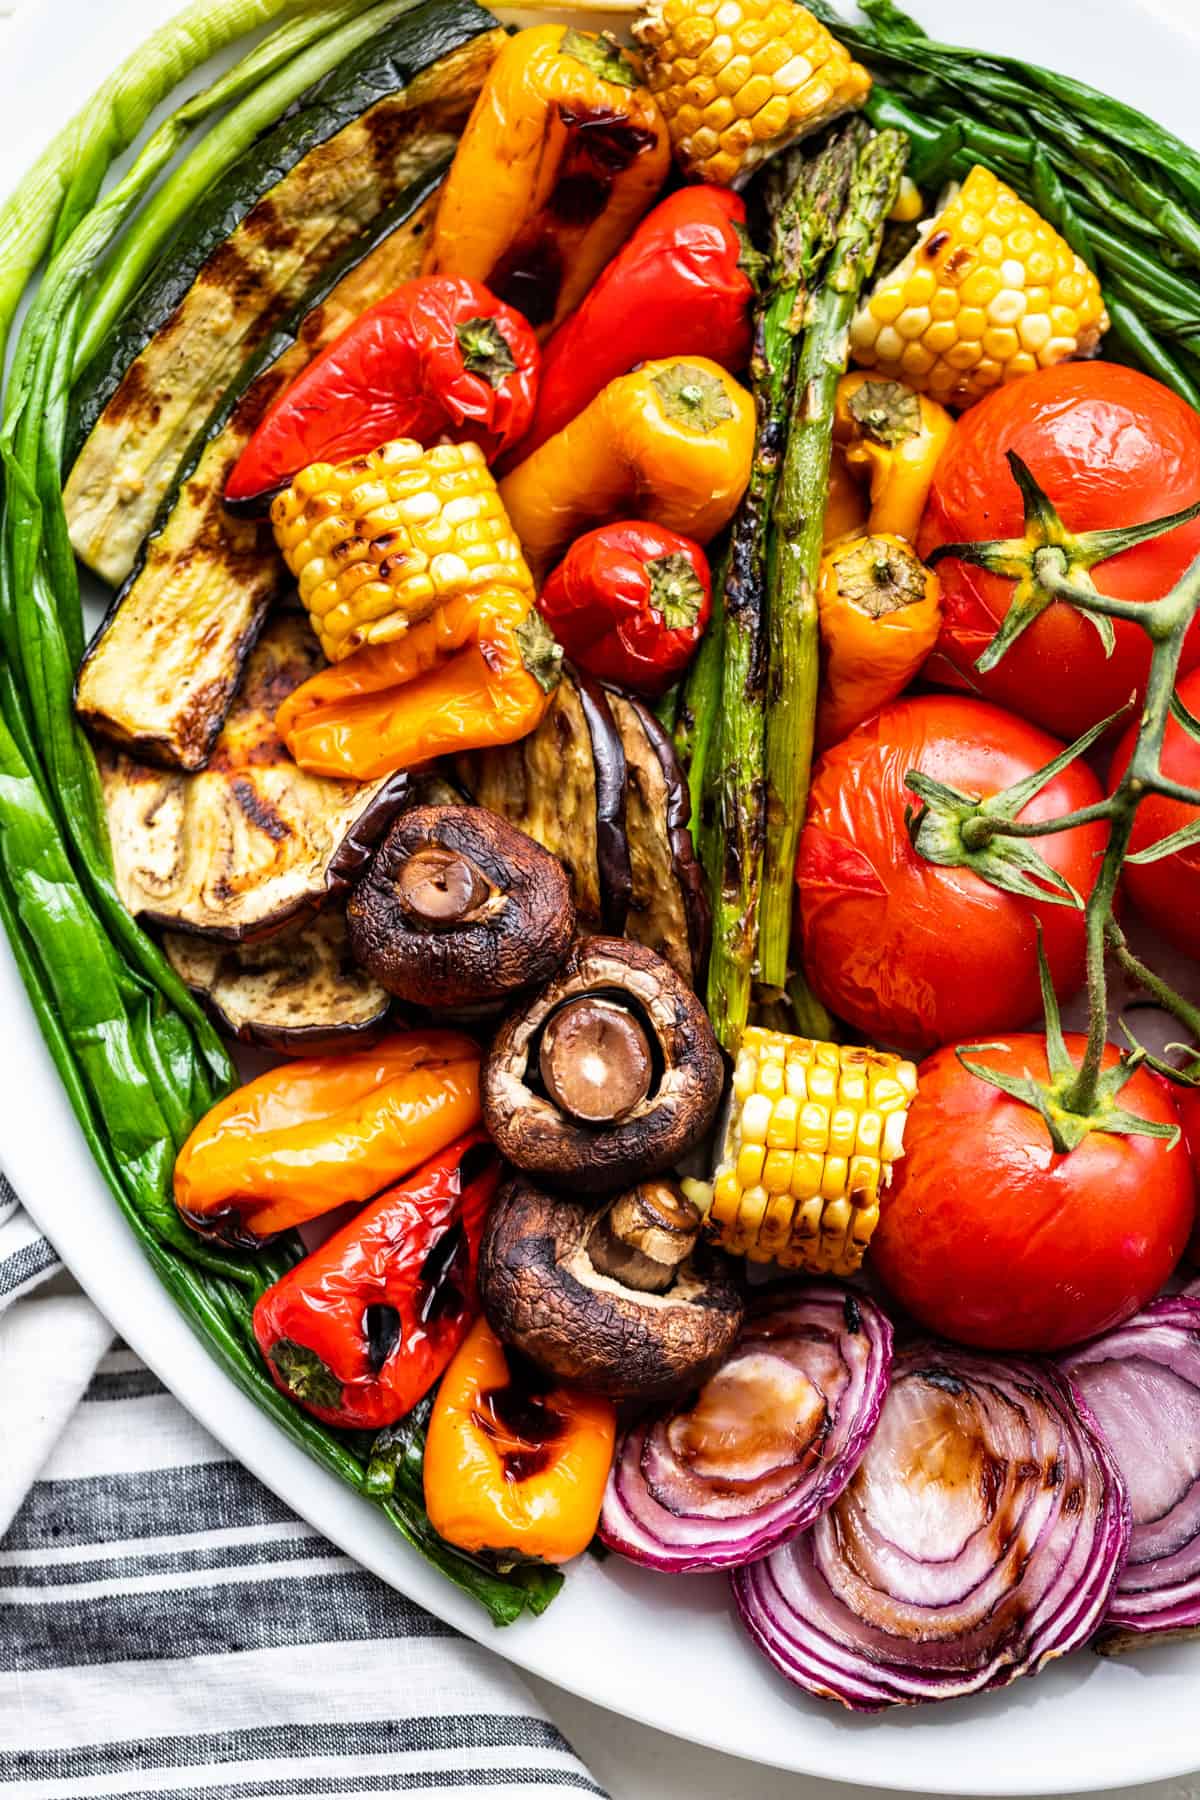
(314, 1134)
(515, 1470)
(670, 444)
(564, 151)
(880, 612)
(478, 671)
(846, 506)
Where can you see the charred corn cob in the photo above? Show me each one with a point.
(990, 292)
(812, 1135)
(379, 542)
(738, 79)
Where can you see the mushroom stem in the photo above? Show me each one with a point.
(642, 1236)
(439, 887)
(595, 1060)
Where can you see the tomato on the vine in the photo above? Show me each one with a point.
(1167, 892)
(991, 1237)
(912, 952)
(1109, 447)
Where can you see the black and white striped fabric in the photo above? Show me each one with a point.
(169, 1631)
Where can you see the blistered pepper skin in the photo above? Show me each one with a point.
(630, 603)
(678, 288)
(670, 443)
(469, 676)
(563, 153)
(438, 357)
(360, 1330)
(317, 1133)
(516, 1473)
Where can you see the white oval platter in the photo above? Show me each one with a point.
(663, 1651)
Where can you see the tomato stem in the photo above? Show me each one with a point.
(1048, 564)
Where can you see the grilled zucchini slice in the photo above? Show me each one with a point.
(251, 843)
(282, 215)
(162, 670)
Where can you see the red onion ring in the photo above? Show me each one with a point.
(980, 1536)
(1142, 1381)
(770, 1441)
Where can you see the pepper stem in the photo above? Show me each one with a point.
(485, 350)
(693, 397)
(676, 591)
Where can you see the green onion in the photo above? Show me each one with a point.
(138, 1060)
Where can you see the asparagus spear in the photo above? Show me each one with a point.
(805, 195)
(798, 517)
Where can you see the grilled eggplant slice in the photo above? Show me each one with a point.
(564, 786)
(299, 992)
(163, 668)
(251, 843)
(668, 910)
(281, 216)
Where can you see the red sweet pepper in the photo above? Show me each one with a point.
(438, 357)
(679, 287)
(360, 1329)
(629, 603)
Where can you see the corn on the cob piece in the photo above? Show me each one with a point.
(990, 292)
(738, 79)
(813, 1132)
(379, 542)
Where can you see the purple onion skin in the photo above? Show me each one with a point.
(1061, 1541)
(1157, 1595)
(702, 1532)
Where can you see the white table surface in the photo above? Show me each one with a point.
(632, 1761)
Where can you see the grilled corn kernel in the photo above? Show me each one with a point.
(813, 1132)
(379, 542)
(989, 293)
(738, 79)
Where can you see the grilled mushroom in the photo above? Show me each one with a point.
(608, 1075)
(622, 1302)
(298, 992)
(459, 908)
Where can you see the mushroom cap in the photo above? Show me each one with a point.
(542, 1294)
(533, 1132)
(459, 908)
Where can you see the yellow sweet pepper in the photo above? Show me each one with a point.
(670, 443)
(564, 151)
(880, 612)
(894, 437)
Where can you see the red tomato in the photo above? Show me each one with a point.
(1110, 447)
(1167, 893)
(990, 1237)
(910, 952)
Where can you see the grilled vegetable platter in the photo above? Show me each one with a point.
(651, 651)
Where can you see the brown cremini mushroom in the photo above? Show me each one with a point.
(621, 1302)
(460, 909)
(609, 1074)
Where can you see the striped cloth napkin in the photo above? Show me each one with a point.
(169, 1629)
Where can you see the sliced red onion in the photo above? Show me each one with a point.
(980, 1536)
(1142, 1381)
(768, 1443)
